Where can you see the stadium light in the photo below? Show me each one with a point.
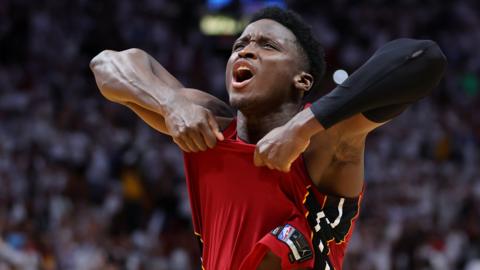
(220, 25)
(339, 76)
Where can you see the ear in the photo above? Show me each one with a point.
(303, 81)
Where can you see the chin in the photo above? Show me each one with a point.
(238, 103)
(246, 104)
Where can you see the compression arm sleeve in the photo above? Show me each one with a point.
(399, 73)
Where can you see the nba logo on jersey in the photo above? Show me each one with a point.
(294, 239)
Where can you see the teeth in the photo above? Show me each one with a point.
(243, 68)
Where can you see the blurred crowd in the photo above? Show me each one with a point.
(85, 184)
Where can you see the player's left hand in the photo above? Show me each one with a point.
(280, 147)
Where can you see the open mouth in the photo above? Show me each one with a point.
(242, 74)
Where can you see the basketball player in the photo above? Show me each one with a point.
(278, 184)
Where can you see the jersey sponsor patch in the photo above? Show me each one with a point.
(300, 250)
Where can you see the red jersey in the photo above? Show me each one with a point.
(241, 211)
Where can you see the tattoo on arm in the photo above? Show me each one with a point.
(349, 152)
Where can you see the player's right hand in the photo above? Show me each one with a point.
(192, 127)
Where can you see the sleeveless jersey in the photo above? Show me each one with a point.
(241, 211)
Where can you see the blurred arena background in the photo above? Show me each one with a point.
(84, 184)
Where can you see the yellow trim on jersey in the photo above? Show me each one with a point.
(199, 235)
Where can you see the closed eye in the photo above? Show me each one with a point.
(238, 46)
(263, 43)
(269, 46)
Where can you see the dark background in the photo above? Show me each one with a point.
(85, 184)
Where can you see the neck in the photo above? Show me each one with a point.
(251, 127)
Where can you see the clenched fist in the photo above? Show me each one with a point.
(279, 148)
(192, 127)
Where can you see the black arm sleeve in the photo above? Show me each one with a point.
(398, 74)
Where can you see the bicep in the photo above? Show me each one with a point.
(166, 77)
(355, 126)
(335, 158)
(219, 108)
(198, 97)
(362, 123)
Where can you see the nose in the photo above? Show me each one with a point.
(247, 52)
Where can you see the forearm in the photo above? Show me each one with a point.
(132, 76)
(153, 119)
(398, 74)
(305, 125)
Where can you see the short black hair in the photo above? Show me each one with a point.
(303, 32)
